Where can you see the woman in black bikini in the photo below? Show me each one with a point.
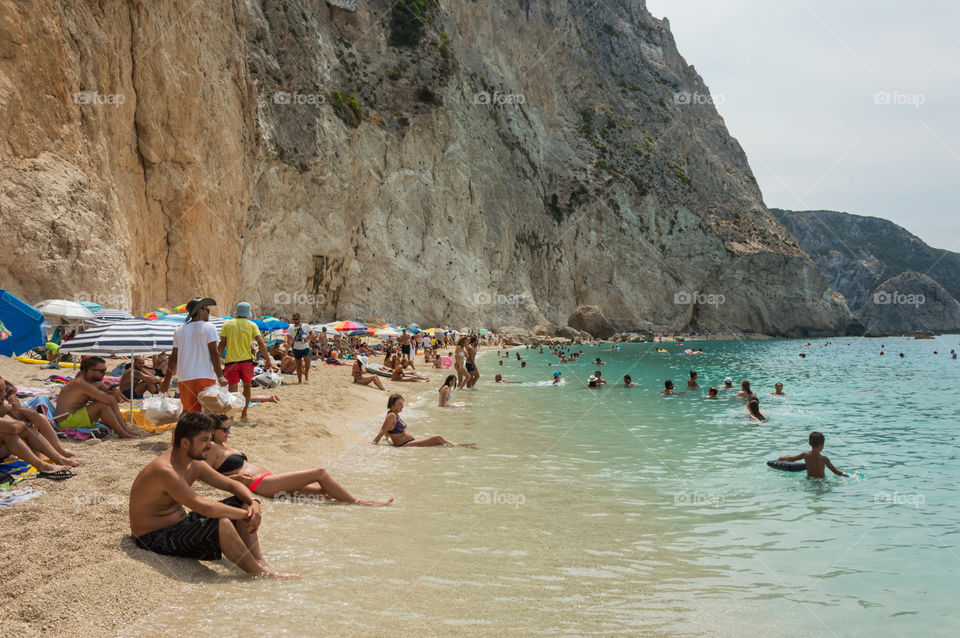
(394, 427)
(233, 463)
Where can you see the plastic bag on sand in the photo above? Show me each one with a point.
(162, 410)
(219, 400)
(267, 380)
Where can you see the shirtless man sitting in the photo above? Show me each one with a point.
(82, 401)
(48, 444)
(143, 380)
(158, 518)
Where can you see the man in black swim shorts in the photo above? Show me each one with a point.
(163, 489)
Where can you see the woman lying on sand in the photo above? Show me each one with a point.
(233, 463)
(394, 427)
(358, 376)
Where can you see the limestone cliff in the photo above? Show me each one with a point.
(858, 253)
(910, 302)
(462, 161)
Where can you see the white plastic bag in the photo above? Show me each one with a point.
(217, 399)
(267, 380)
(162, 410)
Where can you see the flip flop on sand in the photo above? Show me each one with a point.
(59, 475)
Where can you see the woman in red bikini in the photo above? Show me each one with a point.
(233, 463)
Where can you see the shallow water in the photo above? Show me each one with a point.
(621, 511)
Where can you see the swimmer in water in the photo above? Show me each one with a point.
(446, 390)
(745, 391)
(900, 356)
(668, 387)
(778, 390)
(753, 409)
(499, 379)
(394, 428)
(692, 381)
(628, 382)
(598, 362)
(523, 364)
(712, 393)
(802, 356)
(814, 459)
(592, 382)
(556, 377)
(728, 384)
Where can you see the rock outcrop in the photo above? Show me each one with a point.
(477, 163)
(517, 336)
(858, 253)
(591, 319)
(910, 302)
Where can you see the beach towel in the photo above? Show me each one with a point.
(18, 496)
(15, 467)
(56, 378)
(41, 404)
(26, 391)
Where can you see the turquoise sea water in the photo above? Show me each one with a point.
(621, 511)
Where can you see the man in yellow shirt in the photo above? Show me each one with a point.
(236, 338)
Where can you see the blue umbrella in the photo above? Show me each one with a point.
(23, 322)
(276, 324)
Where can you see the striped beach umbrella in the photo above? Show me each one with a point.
(106, 315)
(136, 336)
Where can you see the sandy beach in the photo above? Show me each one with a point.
(71, 567)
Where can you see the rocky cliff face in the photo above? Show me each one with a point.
(910, 302)
(455, 161)
(858, 254)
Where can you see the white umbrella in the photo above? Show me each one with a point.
(63, 309)
(386, 332)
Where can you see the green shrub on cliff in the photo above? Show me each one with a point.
(407, 20)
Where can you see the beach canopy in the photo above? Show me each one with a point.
(134, 336)
(106, 315)
(22, 322)
(64, 310)
(89, 305)
(182, 318)
(349, 326)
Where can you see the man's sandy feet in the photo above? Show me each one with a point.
(69, 454)
(371, 503)
(50, 467)
(74, 462)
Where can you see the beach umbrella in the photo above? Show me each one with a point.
(89, 305)
(135, 336)
(106, 315)
(276, 324)
(349, 326)
(177, 317)
(181, 317)
(413, 325)
(181, 308)
(386, 333)
(63, 309)
(21, 322)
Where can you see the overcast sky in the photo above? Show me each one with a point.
(843, 105)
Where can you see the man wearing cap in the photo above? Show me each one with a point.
(236, 337)
(195, 353)
(299, 339)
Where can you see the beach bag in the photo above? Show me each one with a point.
(219, 400)
(162, 410)
(267, 380)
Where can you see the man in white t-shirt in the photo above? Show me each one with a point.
(299, 339)
(195, 353)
